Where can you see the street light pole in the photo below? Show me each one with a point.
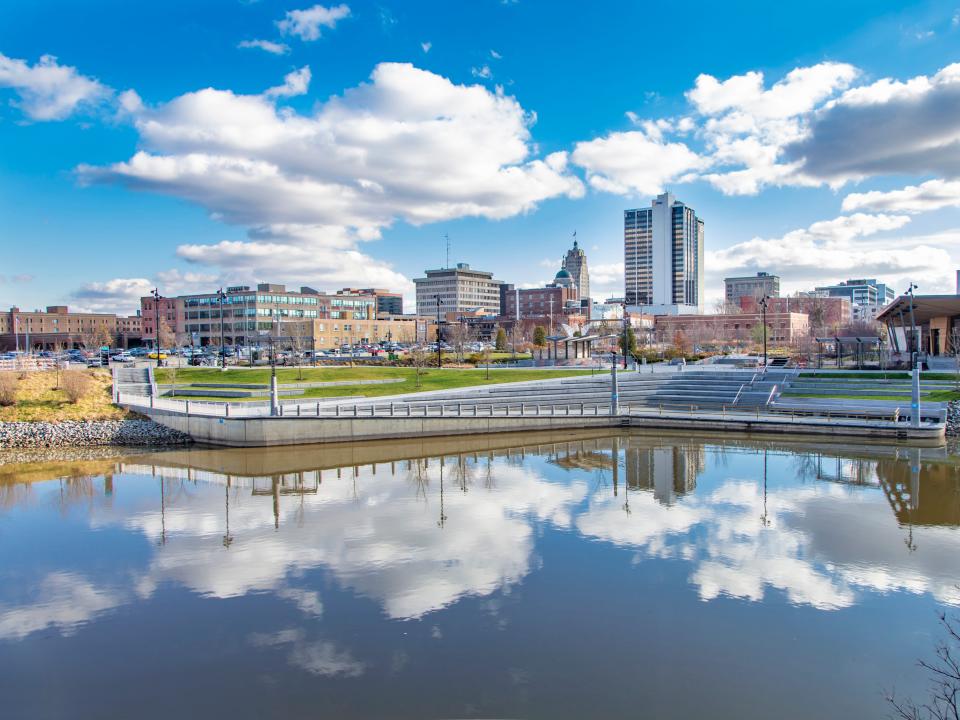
(439, 355)
(626, 339)
(914, 365)
(763, 319)
(223, 353)
(156, 326)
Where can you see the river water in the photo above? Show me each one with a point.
(545, 576)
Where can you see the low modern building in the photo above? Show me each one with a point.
(56, 328)
(387, 302)
(754, 286)
(460, 289)
(827, 314)
(304, 318)
(784, 328)
(867, 296)
(937, 319)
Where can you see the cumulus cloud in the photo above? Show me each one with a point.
(294, 83)
(748, 125)
(634, 162)
(274, 48)
(48, 90)
(122, 295)
(835, 250)
(742, 127)
(928, 196)
(306, 24)
(886, 127)
(409, 145)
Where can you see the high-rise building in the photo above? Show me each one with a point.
(756, 286)
(575, 263)
(663, 257)
(461, 289)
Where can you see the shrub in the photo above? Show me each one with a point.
(8, 388)
(76, 385)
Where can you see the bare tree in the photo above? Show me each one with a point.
(300, 341)
(944, 702)
(421, 359)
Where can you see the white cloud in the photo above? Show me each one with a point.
(495, 55)
(886, 127)
(274, 48)
(294, 83)
(122, 295)
(834, 250)
(48, 90)
(482, 72)
(425, 46)
(928, 196)
(742, 125)
(749, 126)
(408, 145)
(633, 162)
(306, 24)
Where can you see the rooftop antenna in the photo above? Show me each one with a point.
(447, 238)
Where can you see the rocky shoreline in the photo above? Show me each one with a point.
(953, 418)
(88, 433)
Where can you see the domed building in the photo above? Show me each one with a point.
(564, 279)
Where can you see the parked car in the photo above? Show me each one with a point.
(93, 362)
(678, 361)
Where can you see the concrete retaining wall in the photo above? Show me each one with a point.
(261, 432)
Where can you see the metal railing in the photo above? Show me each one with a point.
(446, 409)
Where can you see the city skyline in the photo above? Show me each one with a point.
(238, 161)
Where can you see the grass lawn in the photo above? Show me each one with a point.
(39, 401)
(851, 375)
(933, 396)
(430, 379)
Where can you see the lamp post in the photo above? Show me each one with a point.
(626, 338)
(223, 353)
(914, 364)
(763, 320)
(156, 326)
(439, 355)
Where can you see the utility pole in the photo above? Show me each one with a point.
(156, 326)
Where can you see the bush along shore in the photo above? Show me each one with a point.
(86, 433)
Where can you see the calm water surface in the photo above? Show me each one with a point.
(545, 577)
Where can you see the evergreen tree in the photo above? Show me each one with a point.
(501, 341)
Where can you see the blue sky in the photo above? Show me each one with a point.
(188, 145)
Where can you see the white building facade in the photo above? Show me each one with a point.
(663, 258)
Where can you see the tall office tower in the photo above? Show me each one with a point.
(575, 263)
(663, 257)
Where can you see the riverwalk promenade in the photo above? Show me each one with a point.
(692, 400)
